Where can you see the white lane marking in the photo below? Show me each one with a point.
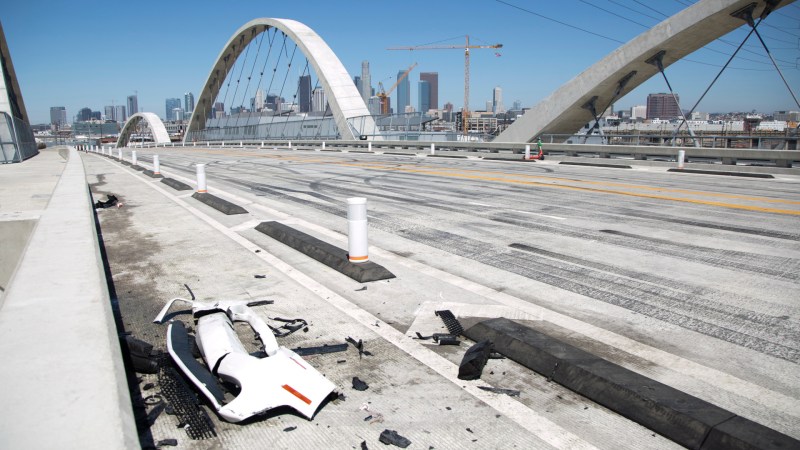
(538, 214)
(769, 399)
(527, 418)
(480, 204)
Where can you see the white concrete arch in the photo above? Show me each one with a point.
(159, 131)
(564, 111)
(343, 97)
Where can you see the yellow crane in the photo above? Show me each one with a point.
(383, 96)
(467, 47)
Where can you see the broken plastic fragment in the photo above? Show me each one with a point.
(292, 428)
(167, 443)
(359, 385)
(474, 360)
(260, 276)
(391, 437)
(281, 379)
(509, 392)
(112, 200)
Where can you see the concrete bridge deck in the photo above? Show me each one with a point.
(688, 279)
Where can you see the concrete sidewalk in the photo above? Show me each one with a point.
(63, 378)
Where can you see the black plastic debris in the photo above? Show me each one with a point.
(359, 385)
(148, 386)
(364, 445)
(423, 338)
(292, 428)
(320, 350)
(167, 443)
(445, 339)
(259, 276)
(289, 326)
(391, 437)
(139, 352)
(358, 345)
(368, 418)
(183, 402)
(450, 321)
(474, 360)
(509, 392)
(112, 200)
(361, 289)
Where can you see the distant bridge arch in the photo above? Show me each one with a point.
(159, 131)
(568, 108)
(343, 97)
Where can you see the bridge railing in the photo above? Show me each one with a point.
(511, 151)
(733, 141)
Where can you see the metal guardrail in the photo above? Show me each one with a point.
(16, 140)
(779, 158)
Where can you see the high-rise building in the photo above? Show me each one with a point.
(109, 112)
(58, 115)
(374, 105)
(638, 112)
(133, 104)
(424, 96)
(304, 93)
(188, 102)
(219, 110)
(84, 115)
(663, 106)
(433, 81)
(403, 92)
(258, 101)
(171, 104)
(366, 86)
(119, 113)
(497, 100)
(318, 100)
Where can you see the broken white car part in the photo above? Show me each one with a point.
(283, 378)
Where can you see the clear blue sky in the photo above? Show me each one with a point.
(90, 53)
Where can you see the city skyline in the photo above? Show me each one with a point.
(539, 53)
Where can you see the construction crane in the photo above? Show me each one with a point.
(383, 96)
(467, 47)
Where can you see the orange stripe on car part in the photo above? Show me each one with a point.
(297, 394)
(358, 258)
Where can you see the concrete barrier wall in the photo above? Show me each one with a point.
(62, 376)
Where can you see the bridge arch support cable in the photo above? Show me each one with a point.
(342, 95)
(678, 36)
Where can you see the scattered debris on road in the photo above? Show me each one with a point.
(391, 437)
(359, 385)
(509, 392)
(474, 360)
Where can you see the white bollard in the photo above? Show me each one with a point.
(290, 145)
(241, 144)
(223, 143)
(433, 148)
(357, 230)
(323, 145)
(527, 151)
(133, 158)
(262, 144)
(119, 154)
(156, 166)
(681, 157)
(201, 178)
(369, 146)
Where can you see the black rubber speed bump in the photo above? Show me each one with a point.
(219, 204)
(175, 184)
(613, 166)
(152, 174)
(685, 419)
(330, 255)
(720, 172)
